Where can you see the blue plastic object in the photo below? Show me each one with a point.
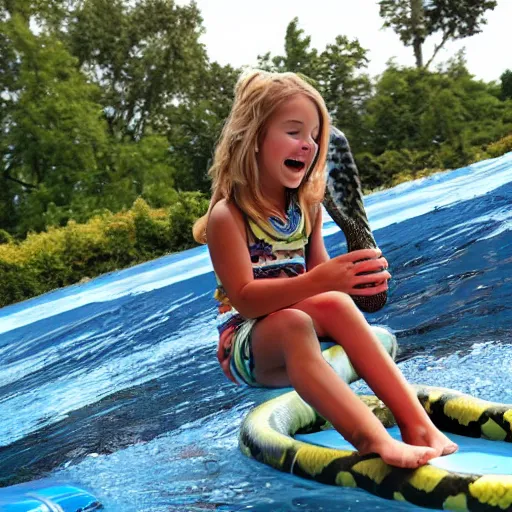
(44, 496)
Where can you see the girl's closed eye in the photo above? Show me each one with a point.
(314, 139)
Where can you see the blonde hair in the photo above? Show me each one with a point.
(234, 171)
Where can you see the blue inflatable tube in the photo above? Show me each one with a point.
(47, 496)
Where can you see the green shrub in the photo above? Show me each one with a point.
(65, 255)
(18, 283)
(152, 230)
(5, 237)
(370, 170)
(182, 215)
(121, 241)
(500, 147)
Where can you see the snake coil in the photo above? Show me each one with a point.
(267, 434)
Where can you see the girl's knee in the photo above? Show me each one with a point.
(333, 304)
(333, 308)
(290, 321)
(280, 336)
(296, 333)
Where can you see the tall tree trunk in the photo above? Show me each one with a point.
(418, 54)
(418, 30)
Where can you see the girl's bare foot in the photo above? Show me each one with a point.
(428, 435)
(399, 454)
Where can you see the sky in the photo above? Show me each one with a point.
(237, 31)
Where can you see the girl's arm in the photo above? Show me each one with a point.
(229, 253)
(254, 298)
(316, 251)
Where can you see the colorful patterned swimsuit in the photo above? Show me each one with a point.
(277, 250)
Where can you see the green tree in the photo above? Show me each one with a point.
(506, 85)
(299, 57)
(193, 125)
(144, 169)
(86, 88)
(53, 128)
(143, 54)
(127, 171)
(345, 87)
(415, 20)
(446, 110)
(337, 72)
(48, 15)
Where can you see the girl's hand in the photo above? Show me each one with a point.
(360, 272)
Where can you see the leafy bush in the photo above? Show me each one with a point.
(500, 147)
(396, 166)
(18, 283)
(152, 229)
(66, 255)
(182, 216)
(5, 237)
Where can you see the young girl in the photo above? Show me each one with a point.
(279, 291)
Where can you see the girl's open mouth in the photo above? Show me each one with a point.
(296, 165)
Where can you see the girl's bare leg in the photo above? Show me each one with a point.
(335, 315)
(286, 352)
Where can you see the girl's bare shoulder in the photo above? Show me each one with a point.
(226, 216)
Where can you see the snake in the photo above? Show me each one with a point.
(343, 201)
(266, 434)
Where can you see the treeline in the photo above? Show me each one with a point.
(408, 119)
(106, 101)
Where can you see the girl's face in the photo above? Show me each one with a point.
(288, 146)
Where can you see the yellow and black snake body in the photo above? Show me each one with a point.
(267, 435)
